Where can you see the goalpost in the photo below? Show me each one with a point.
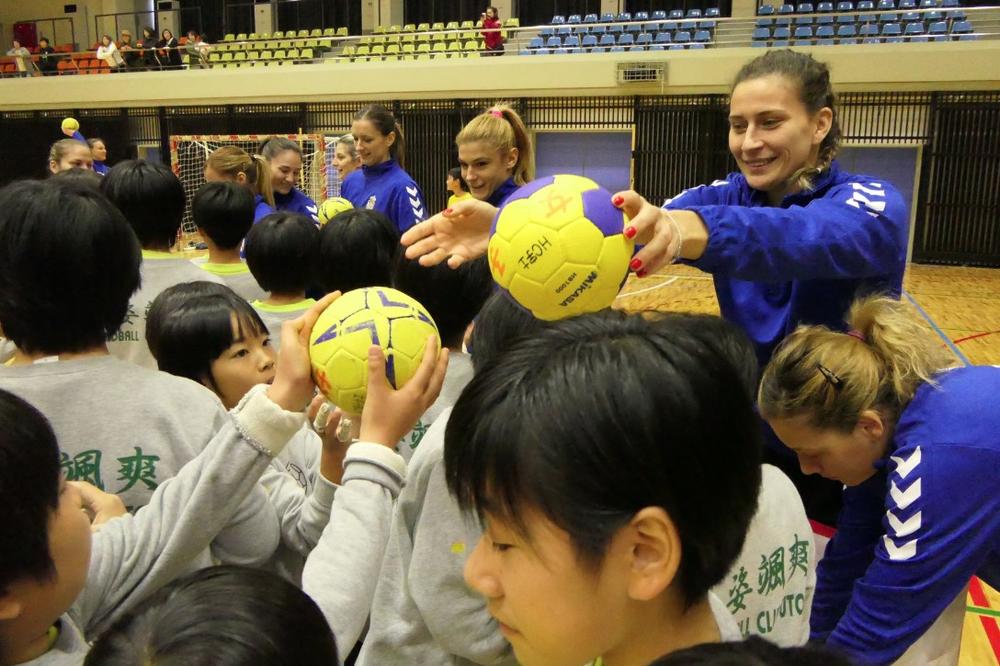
(188, 153)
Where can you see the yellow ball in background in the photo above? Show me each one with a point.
(557, 246)
(70, 125)
(332, 207)
(338, 345)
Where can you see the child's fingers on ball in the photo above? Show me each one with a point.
(424, 371)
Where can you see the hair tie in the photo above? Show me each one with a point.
(857, 334)
(496, 113)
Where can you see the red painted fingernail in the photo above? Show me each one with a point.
(630, 232)
(618, 200)
(641, 274)
(636, 264)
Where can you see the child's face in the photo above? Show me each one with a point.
(485, 168)
(243, 365)
(42, 602)
(552, 609)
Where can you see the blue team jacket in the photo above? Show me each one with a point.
(504, 190)
(937, 520)
(297, 202)
(260, 208)
(387, 188)
(802, 262)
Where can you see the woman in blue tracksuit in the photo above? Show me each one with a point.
(495, 154)
(285, 158)
(382, 184)
(879, 409)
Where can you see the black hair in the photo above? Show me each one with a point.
(87, 177)
(224, 212)
(43, 39)
(456, 173)
(150, 196)
(383, 120)
(453, 297)
(29, 489)
(69, 263)
(357, 248)
(263, 620)
(500, 324)
(282, 250)
(189, 326)
(636, 414)
(754, 651)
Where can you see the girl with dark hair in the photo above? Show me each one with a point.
(265, 621)
(168, 51)
(358, 251)
(883, 410)
(147, 49)
(791, 239)
(285, 158)
(384, 185)
(491, 31)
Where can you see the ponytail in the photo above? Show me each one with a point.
(262, 182)
(502, 128)
(386, 124)
(232, 160)
(833, 377)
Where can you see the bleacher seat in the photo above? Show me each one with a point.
(847, 34)
(888, 18)
(666, 37)
(928, 4)
(626, 39)
(590, 18)
(757, 43)
(682, 37)
(573, 19)
(696, 45)
(536, 43)
(694, 13)
(702, 36)
(758, 34)
(712, 12)
(553, 42)
(915, 28)
(706, 25)
(598, 49)
(764, 22)
(636, 47)
(803, 20)
(607, 40)
(624, 16)
(547, 32)
(845, 19)
(783, 33)
(765, 10)
(938, 31)
(892, 32)
(633, 27)
(950, 3)
(886, 5)
(824, 19)
(589, 41)
(659, 15)
(676, 14)
(657, 47)
(617, 29)
(617, 49)
(824, 7)
(956, 15)
(824, 35)
(804, 8)
(909, 17)
(563, 30)
(598, 29)
(607, 17)
(644, 39)
(558, 19)
(641, 16)
(803, 35)
(571, 42)
(961, 28)
(869, 30)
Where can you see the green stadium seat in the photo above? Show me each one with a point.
(362, 51)
(253, 55)
(423, 37)
(409, 27)
(454, 46)
(286, 44)
(471, 45)
(440, 47)
(242, 37)
(279, 55)
(512, 22)
(409, 48)
(392, 49)
(366, 41)
(252, 36)
(408, 38)
(229, 37)
(302, 34)
(330, 32)
(266, 55)
(215, 57)
(292, 54)
(378, 50)
(438, 37)
(241, 56)
(451, 25)
(307, 54)
(393, 28)
(342, 32)
(379, 30)
(467, 25)
(424, 48)
(315, 32)
(227, 57)
(277, 34)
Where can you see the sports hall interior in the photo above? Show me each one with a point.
(633, 89)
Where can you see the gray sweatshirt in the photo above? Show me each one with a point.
(302, 498)
(127, 430)
(135, 555)
(341, 572)
(459, 374)
(238, 278)
(423, 612)
(159, 271)
(275, 315)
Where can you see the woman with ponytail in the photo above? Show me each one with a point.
(383, 184)
(233, 164)
(881, 408)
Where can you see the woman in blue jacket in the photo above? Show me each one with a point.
(383, 184)
(880, 409)
(285, 158)
(792, 239)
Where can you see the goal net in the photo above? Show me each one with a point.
(188, 154)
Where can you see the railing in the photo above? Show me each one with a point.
(724, 33)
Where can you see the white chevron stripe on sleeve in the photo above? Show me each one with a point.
(904, 498)
(900, 553)
(905, 465)
(904, 528)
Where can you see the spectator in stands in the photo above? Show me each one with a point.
(48, 61)
(99, 153)
(22, 58)
(345, 157)
(168, 51)
(491, 32)
(147, 50)
(131, 56)
(197, 50)
(108, 52)
(456, 185)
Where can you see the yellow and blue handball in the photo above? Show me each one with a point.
(332, 207)
(339, 342)
(557, 246)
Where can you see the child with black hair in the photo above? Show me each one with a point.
(50, 558)
(207, 333)
(754, 651)
(224, 213)
(123, 428)
(281, 253)
(453, 298)
(596, 542)
(152, 200)
(422, 612)
(266, 621)
(357, 249)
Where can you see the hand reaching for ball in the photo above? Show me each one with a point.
(459, 234)
(293, 386)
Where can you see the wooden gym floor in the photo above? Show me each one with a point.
(960, 305)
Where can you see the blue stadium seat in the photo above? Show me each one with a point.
(589, 41)
(869, 30)
(892, 30)
(968, 38)
(526, 52)
(616, 29)
(563, 30)
(633, 27)
(542, 52)
(803, 20)
(676, 47)
(782, 33)
(590, 18)
(697, 45)
(786, 9)
(688, 25)
(865, 6)
(888, 18)
(666, 37)
(824, 19)
(627, 39)
(598, 49)
(761, 33)
(783, 20)
(702, 36)
(706, 25)
(906, 4)
(558, 19)
(928, 4)
(950, 3)
(763, 10)
(909, 17)
(845, 19)
(824, 32)
(780, 43)
(956, 15)
(871, 40)
(598, 29)
(886, 5)
(645, 39)
(934, 15)
(712, 12)
(625, 16)
(553, 42)
(547, 32)
(682, 37)
(845, 6)
(764, 22)
(607, 17)
(961, 27)
(576, 51)
(581, 29)
(657, 47)
(938, 30)
(846, 32)
(573, 19)
(914, 29)
(694, 13)
(641, 16)
(571, 42)
(560, 51)
(803, 32)
(824, 7)
(617, 49)
(804, 8)
(536, 43)
(607, 40)
(659, 15)
(637, 48)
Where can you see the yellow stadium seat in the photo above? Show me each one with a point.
(286, 44)
(242, 37)
(437, 26)
(229, 37)
(379, 39)
(302, 33)
(409, 27)
(424, 48)
(329, 32)
(423, 56)
(423, 37)
(440, 56)
(393, 39)
(393, 28)
(440, 47)
(365, 41)
(362, 51)
(315, 32)
(512, 22)
(423, 27)
(348, 51)
(230, 65)
(378, 50)
(454, 46)
(409, 48)
(409, 38)
(451, 25)
(469, 34)
(379, 30)
(467, 25)
(272, 45)
(277, 34)
(408, 56)
(253, 55)
(392, 49)
(438, 37)
(240, 56)
(260, 63)
(292, 54)
(471, 45)
(307, 54)
(279, 55)
(266, 55)
(227, 57)
(342, 32)
(215, 57)
(472, 54)
(252, 36)
(391, 58)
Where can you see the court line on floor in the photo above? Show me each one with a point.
(941, 334)
(976, 336)
(642, 291)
